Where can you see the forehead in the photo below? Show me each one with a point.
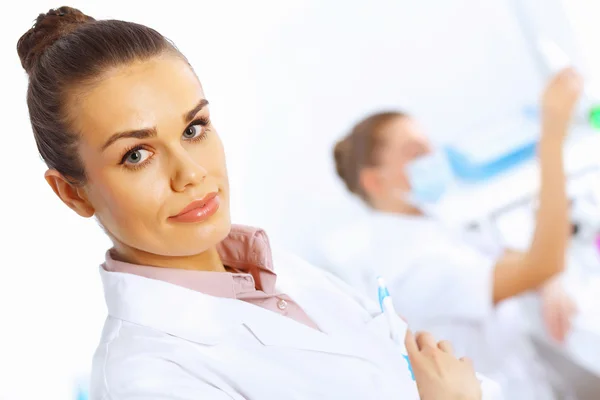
(139, 95)
(402, 130)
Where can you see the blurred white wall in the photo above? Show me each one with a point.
(285, 79)
(456, 65)
(582, 15)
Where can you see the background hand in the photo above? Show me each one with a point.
(558, 310)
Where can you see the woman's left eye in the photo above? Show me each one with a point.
(193, 131)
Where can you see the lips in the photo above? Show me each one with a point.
(198, 210)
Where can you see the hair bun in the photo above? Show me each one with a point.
(46, 30)
(340, 155)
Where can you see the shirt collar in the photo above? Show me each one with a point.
(246, 252)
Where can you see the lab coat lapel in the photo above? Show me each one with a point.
(338, 316)
(272, 329)
(211, 320)
(327, 302)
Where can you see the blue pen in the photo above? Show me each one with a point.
(387, 308)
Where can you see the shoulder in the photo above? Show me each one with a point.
(291, 267)
(134, 362)
(121, 357)
(344, 243)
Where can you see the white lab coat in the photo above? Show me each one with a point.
(162, 341)
(443, 284)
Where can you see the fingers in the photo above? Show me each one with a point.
(561, 75)
(566, 73)
(468, 362)
(446, 347)
(568, 80)
(571, 79)
(412, 348)
(557, 313)
(425, 340)
(563, 323)
(565, 316)
(551, 320)
(569, 75)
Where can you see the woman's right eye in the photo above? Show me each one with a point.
(136, 157)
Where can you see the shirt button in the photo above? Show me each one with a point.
(282, 304)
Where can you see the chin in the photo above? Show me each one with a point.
(189, 239)
(207, 234)
(190, 243)
(222, 230)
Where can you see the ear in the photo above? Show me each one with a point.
(72, 195)
(370, 180)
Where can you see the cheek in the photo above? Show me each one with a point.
(211, 156)
(397, 177)
(129, 199)
(402, 177)
(400, 180)
(405, 182)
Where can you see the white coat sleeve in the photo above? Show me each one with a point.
(449, 285)
(159, 379)
(166, 390)
(202, 393)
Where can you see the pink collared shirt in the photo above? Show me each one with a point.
(247, 254)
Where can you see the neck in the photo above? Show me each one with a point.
(396, 207)
(208, 260)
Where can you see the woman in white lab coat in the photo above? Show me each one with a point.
(439, 281)
(197, 309)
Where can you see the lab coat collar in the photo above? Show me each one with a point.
(402, 223)
(404, 218)
(415, 227)
(209, 320)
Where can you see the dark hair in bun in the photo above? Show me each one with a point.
(47, 30)
(64, 49)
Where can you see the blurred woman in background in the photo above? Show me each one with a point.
(196, 310)
(440, 282)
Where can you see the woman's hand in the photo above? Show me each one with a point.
(559, 101)
(439, 375)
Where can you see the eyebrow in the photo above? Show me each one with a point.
(137, 134)
(188, 116)
(151, 132)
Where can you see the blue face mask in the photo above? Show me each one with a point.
(430, 177)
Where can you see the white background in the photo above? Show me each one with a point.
(285, 79)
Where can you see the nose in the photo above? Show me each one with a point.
(187, 172)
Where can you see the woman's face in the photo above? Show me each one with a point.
(405, 141)
(150, 151)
